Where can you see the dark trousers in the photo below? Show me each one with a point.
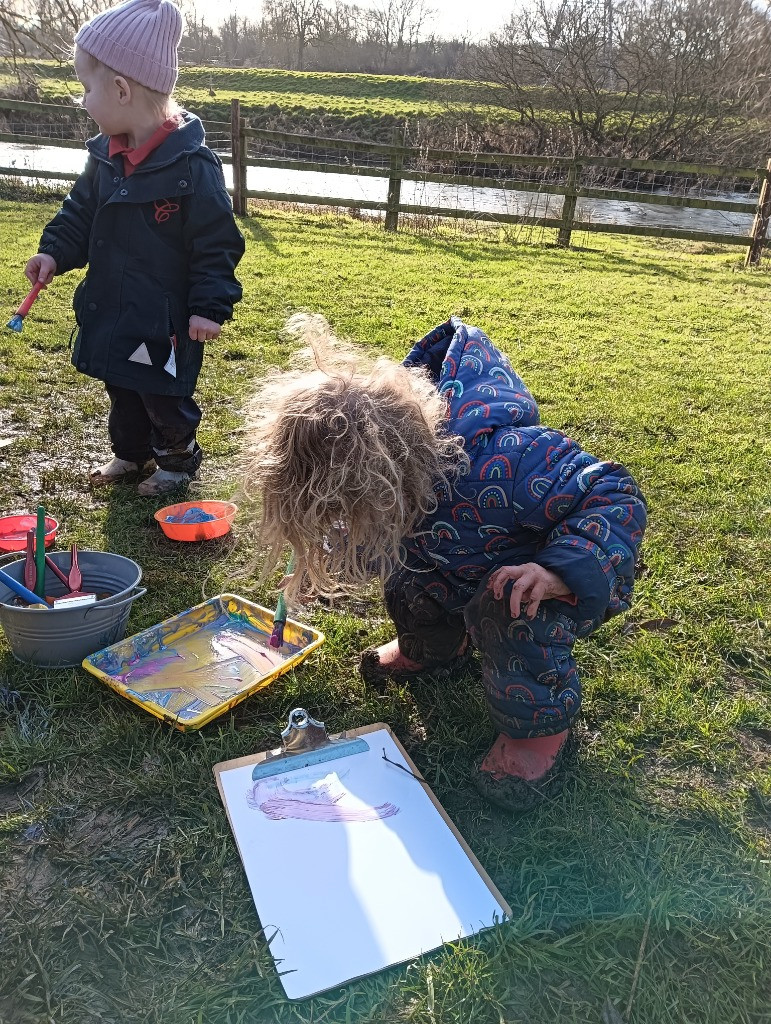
(160, 427)
(528, 671)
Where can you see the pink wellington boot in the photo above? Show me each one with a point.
(379, 664)
(519, 774)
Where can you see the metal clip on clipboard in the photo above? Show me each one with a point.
(305, 743)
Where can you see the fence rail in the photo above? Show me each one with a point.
(541, 176)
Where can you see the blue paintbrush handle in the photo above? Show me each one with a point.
(21, 590)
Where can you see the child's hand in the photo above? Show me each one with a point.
(532, 584)
(201, 329)
(40, 268)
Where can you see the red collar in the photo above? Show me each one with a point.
(132, 158)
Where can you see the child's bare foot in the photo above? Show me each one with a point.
(519, 774)
(114, 470)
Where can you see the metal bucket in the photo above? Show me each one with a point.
(63, 637)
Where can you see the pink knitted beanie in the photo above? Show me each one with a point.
(138, 39)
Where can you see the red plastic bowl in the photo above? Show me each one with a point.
(14, 530)
(223, 510)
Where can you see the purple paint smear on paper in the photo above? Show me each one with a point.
(316, 804)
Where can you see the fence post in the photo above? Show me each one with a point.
(394, 183)
(238, 152)
(760, 224)
(569, 205)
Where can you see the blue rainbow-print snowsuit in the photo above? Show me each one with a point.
(531, 495)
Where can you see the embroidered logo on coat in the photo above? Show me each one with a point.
(164, 209)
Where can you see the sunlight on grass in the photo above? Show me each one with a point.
(347, 95)
(645, 890)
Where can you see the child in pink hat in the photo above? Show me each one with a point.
(151, 218)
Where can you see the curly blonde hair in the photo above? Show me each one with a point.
(345, 458)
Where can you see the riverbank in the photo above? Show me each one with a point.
(646, 888)
(354, 191)
(359, 106)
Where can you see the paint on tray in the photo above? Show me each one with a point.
(202, 669)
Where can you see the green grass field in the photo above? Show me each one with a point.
(643, 895)
(294, 92)
(366, 106)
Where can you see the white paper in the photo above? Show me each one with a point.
(349, 897)
(171, 362)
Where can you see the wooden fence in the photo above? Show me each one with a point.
(392, 162)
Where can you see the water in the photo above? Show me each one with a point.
(485, 201)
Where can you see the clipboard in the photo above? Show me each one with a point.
(353, 864)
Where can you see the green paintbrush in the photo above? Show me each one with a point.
(40, 553)
(279, 619)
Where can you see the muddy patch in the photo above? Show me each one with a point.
(18, 797)
(84, 834)
(64, 846)
(756, 747)
(31, 874)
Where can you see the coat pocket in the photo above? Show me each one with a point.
(79, 302)
(188, 354)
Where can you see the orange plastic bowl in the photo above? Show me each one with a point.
(14, 530)
(223, 510)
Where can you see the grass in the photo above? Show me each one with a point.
(643, 895)
(363, 105)
(295, 92)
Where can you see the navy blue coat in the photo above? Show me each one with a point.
(531, 494)
(161, 246)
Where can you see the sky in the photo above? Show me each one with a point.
(452, 17)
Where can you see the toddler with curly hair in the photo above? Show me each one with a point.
(486, 528)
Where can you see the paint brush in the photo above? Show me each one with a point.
(279, 619)
(40, 552)
(18, 588)
(17, 320)
(30, 571)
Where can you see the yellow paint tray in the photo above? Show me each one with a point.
(197, 665)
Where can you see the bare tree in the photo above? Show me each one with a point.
(241, 41)
(395, 25)
(39, 29)
(199, 42)
(16, 30)
(342, 23)
(650, 77)
(59, 20)
(300, 20)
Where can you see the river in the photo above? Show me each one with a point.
(485, 201)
